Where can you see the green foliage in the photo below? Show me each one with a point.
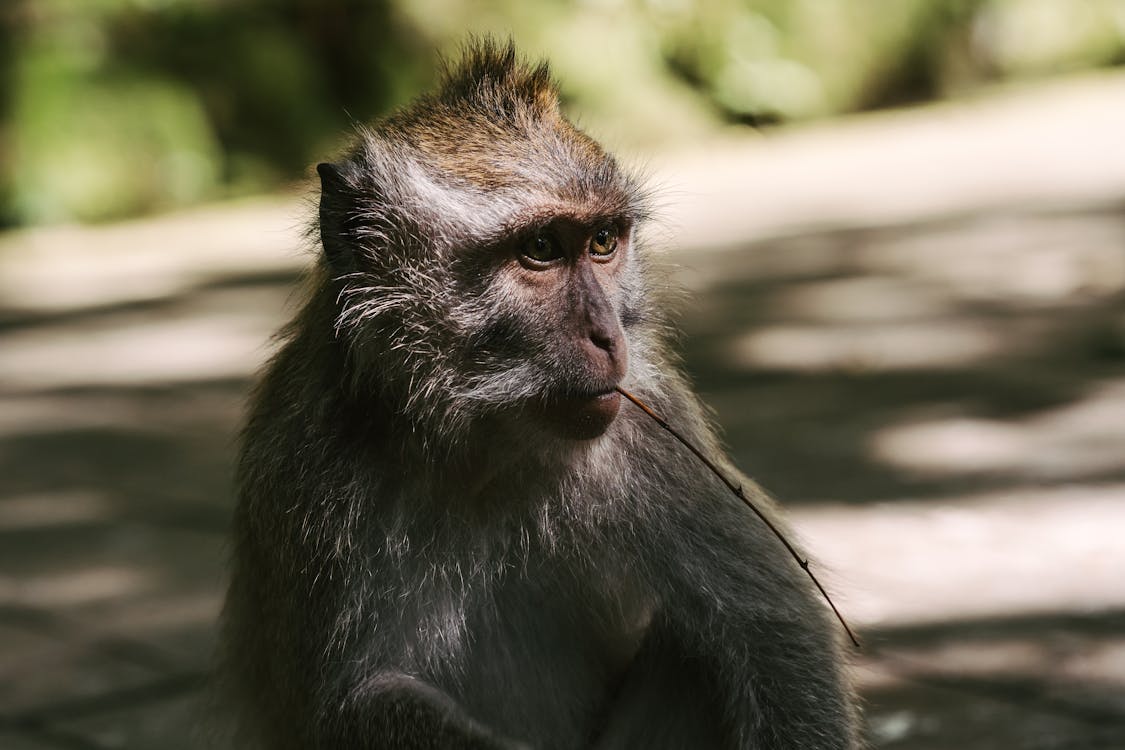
(90, 144)
(794, 59)
(116, 107)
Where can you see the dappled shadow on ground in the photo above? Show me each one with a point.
(1048, 681)
(112, 555)
(973, 365)
(974, 353)
(909, 365)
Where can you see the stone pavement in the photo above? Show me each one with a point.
(910, 325)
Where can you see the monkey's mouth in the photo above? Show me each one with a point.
(581, 416)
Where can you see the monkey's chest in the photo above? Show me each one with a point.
(541, 662)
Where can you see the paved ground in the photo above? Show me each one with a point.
(911, 326)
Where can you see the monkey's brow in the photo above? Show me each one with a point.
(592, 219)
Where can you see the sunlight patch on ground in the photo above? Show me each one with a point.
(860, 299)
(995, 554)
(75, 587)
(1076, 668)
(53, 412)
(1009, 258)
(1006, 655)
(871, 347)
(169, 611)
(1083, 437)
(36, 511)
(55, 269)
(207, 345)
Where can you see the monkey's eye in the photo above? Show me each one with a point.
(604, 244)
(541, 249)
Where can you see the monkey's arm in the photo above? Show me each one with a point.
(741, 653)
(407, 713)
(755, 685)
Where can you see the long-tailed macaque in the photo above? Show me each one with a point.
(451, 532)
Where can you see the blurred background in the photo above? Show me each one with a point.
(901, 226)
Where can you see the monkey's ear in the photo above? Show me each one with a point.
(335, 234)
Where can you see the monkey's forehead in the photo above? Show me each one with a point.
(468, 213)
(541, 156)
(473, 182)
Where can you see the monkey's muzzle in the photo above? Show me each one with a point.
(581, 417)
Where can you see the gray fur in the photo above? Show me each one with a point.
(417, 564)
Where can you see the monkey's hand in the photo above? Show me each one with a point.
(396, 710)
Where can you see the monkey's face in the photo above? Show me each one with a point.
(566, 277)
(546, 322)
(511, 307)
(479, 247)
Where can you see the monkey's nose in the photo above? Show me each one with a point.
(605, 341)
(605, 355)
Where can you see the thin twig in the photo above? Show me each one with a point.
(738, 492)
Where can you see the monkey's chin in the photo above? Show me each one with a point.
(580, 417)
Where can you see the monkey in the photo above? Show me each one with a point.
(450, 531)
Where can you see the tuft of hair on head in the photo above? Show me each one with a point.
(493, 75)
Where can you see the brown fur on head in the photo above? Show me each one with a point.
(495, 115)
